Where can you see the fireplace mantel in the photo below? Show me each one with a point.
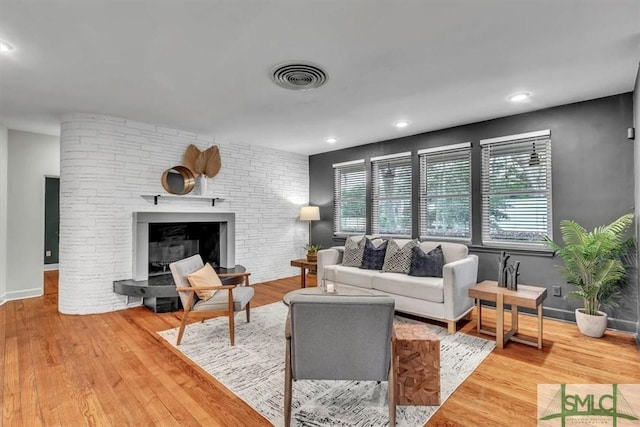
(141, 221)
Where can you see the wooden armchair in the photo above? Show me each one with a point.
(236, 298)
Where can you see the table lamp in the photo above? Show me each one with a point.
(309, 213)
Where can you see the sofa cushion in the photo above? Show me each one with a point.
(373, 256)
(353, 252)
(451, 251)
(426, 264)
(355, 276)
(424, 288)
(398, 256)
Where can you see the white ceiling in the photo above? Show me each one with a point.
(204, 66)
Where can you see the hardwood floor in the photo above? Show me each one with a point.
(112, 370)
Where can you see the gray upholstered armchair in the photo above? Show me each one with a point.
(339, 338)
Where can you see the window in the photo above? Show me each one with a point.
(445, 192)
(516, 189)
(349, 198)
(391, 194)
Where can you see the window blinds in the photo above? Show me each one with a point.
(349, 198)
(391, 194)
(516, 189)
(445, 192)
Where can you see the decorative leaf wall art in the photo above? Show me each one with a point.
(207, 162)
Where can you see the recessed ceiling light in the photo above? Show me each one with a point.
(5, 47)
(519, 97)
(331, 140)
(401, 124)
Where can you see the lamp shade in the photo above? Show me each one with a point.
(309, 213)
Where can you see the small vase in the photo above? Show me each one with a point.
(202, 186)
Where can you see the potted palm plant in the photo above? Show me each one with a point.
(592, 263)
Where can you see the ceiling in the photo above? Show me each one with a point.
(204, 66)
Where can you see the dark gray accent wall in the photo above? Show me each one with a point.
(593, 183)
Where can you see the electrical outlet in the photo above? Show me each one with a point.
(557, 291)
(48, 253)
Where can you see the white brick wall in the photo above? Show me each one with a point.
(106, 163)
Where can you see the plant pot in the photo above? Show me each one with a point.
(312, 256)
(589, 325)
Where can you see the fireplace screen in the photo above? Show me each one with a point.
(173, 242)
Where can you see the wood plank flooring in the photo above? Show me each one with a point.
(112, 370)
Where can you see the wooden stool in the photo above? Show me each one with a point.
(417, 365)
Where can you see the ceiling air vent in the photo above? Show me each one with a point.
(298, 76)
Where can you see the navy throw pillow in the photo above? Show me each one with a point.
(373, 257)
(426, 264)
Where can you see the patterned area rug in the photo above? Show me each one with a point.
(254, 370)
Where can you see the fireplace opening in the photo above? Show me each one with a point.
(169, 242)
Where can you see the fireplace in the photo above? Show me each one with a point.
(169, 242)
(163, 237)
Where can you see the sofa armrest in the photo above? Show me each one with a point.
(458, 277)
(331, 256)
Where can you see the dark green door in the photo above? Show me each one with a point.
(51, 219)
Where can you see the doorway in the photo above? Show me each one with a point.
(51, 222)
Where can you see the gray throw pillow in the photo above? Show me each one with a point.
(373, 257)
(427, 264)
(353, 252)
(398, 259)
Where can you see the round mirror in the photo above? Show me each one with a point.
(178, 180)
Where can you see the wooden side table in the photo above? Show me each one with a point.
(525, 296)
(304, 266)
(416, 353)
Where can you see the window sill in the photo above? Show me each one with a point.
(545, 253)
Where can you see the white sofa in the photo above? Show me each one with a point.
(444, 299)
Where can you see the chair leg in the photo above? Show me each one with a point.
(232, 325)
(248, 308)
(287, 384)
(182, 326)
(391, 389)
(185, 314)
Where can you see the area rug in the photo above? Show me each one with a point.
(254, 370)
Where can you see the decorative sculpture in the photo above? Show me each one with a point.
(507, 273)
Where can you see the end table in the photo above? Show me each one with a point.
(525, 296)
(304, 265)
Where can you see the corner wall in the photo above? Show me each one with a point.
(31, 156)
(108, 162)
(4, 155)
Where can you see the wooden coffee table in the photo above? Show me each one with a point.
(304, 266)
(525, 296)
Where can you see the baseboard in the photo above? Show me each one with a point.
(570, 317)
(50, 267)
(22, 294)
